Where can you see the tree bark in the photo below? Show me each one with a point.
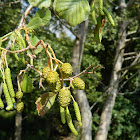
(80, 94)
(106, 115)
(18, 126)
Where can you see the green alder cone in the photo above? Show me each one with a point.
(78, 83)
(45, 72)
(19, 95)
(55, 87)
(67, 69)
(7, 97)
(69, 122)
(77, 112)
(26, 84)
(62, 114)
(52, 77)
(19, 106)
(9, 82)
(1, 104)
(64, 97)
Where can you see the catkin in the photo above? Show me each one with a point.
(14, 54)
(69, 121)
(20, 45)
(94, 17)
(9, 82)
(7, 97)
(101, 7)
(109, 16)
(1, 104)
(77, 112)
(62, 114)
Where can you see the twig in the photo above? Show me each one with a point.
(131, 39)
(84, 71)
(21, 71)
(127, 68)
(65, 24)
(99, 99)
(130, 53)
(9, 3)
(128, 58)
(128, 80)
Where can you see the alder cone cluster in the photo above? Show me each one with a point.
(78, 83)
(19, 106)
(55, 87)
(45, 72)
(64, 97)
(19, 95)
(52, 77)
(67, 69)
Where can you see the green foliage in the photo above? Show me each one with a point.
(26, 84)
(44, 3)
(40, 18)
(73, 12)
(126, 118)
(45, 102)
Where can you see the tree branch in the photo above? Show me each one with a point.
(132, 32)
(130, 53)
(130, 4)
(64, 24)
(128, 80)
(9, 3)
(128, 58)
(21, 23)
(131, 39)
(129, 67)
(132, 64)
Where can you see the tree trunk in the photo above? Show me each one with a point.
(80, 94)
(106, 115)
(18, 126)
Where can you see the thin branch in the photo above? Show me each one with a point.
(129, 67)
(128, 80)
(132, 32)
(128, 58)
(99, 99)
(20, 23)
(84, 71)
(132, 39)
(133, 63)
(9, 3)
(65, 24)
(130, 53)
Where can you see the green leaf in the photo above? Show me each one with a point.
(45, 102)
(44, 3)
(41, 18)
(34, 23)
(73, 11)
(34, 41)
(44, 14)
(26, 84)
(34, 2)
